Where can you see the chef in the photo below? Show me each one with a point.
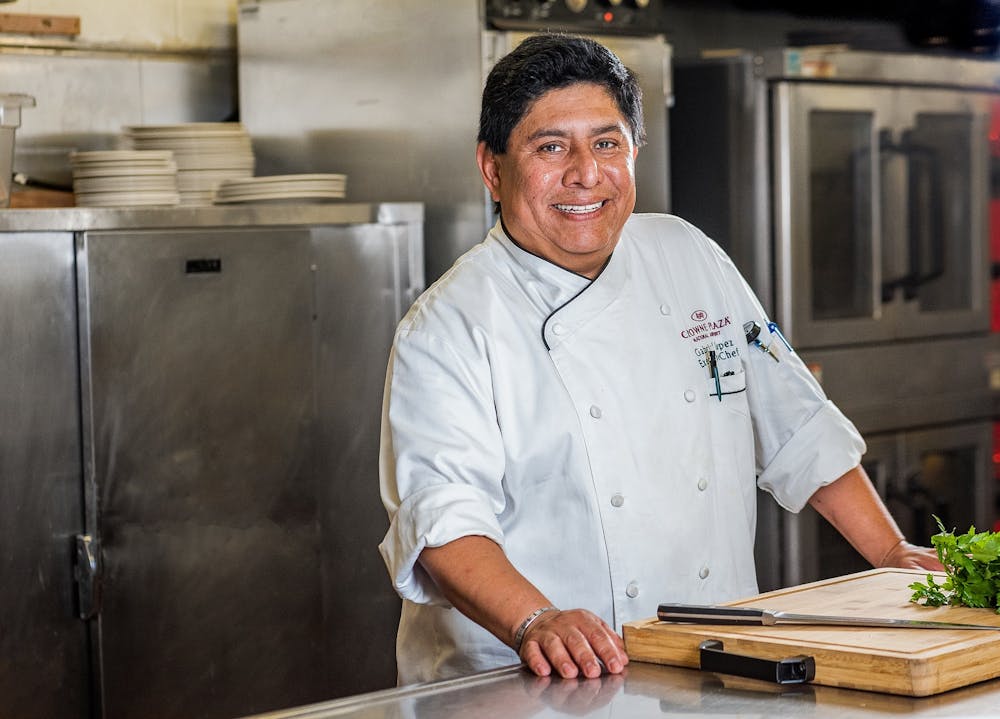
(575, 421)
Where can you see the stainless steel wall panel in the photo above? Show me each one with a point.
(84, 99)
(387, 93)
(44, 669)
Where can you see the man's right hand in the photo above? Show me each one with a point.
(572, 642)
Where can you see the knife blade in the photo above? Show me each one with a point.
(751, 616)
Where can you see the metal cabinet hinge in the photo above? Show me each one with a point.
(87, 572)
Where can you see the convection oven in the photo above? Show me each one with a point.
(853, 190)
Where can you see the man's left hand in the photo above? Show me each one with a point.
(909, 556)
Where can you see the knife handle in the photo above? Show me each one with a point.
(707, 614)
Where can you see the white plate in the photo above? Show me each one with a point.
(125, 199)
(120, 156)
(103, 170)
(265, 179)
(118, 184)
(187, 128)
(290, 197)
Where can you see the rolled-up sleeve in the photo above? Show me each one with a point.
(821, 450)
(442, 460)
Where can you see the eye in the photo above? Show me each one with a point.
(606, 144)
(550, 147)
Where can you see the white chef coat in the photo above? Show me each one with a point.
(577, 424)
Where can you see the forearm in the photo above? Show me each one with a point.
(475, 575)
(854, 508)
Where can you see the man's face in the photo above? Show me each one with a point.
(566, 183)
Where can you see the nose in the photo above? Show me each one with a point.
(582, 169)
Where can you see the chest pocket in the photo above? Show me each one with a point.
(730, 390)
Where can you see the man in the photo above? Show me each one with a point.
(573, 414)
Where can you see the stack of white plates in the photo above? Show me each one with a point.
(121, 178)
(207, 153)
(283, 188)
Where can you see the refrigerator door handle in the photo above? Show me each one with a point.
(87, 572)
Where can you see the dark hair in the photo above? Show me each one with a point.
(547, 62)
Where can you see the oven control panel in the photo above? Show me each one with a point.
(596, 16)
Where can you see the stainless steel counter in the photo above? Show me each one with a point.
(645, 690)
(82, 219)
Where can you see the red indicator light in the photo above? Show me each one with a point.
(608, 17)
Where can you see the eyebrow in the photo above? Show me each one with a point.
(562, 133)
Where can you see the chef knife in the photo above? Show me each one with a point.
(749, 616)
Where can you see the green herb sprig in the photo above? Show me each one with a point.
(972, 564)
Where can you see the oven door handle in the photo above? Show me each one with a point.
(922, 172)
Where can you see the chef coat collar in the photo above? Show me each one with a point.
(570, 298)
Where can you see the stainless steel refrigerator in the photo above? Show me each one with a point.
(189, 462)
(389, 92)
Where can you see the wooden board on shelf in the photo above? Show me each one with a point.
(32, 24)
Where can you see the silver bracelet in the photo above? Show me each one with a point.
(519, 634)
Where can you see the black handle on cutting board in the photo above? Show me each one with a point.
(791, 670)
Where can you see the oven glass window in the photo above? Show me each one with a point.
(940, 210)
(840, 211)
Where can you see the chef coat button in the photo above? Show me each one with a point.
(595, 411)
(689, 395)
(558, 329)
(617, 500)
(632, 590)
(703, 573)
(664, 309)
(702, 484)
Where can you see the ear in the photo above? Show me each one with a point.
(489, 168)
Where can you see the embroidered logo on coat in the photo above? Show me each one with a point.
(705, 329)
(699, 315)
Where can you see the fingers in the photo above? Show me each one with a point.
(571, 643)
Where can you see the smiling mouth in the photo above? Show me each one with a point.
(580, 209)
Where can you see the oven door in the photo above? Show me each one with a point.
(880, 212)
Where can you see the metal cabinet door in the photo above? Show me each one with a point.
(44, 668)
(199, 418)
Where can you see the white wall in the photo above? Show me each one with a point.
(161, 24)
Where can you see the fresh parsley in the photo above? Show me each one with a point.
(972, 564)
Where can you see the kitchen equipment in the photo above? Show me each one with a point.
(851, 188)
(751, 616)
(191, 412)
(10, 120)
(389, 93)
(912, 662)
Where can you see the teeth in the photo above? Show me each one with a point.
(579, 208)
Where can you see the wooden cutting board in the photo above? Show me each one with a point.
(911, 662)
